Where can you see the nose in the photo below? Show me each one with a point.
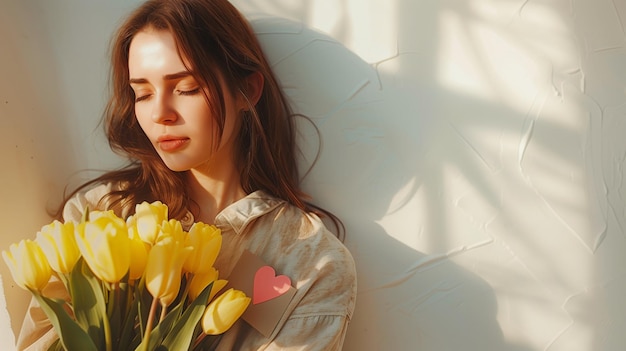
(163, 111)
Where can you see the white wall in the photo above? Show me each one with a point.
(474, 149)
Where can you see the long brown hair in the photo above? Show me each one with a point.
(216, 41)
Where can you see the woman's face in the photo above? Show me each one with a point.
(171, 108)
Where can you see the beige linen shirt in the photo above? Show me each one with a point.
(294, 243)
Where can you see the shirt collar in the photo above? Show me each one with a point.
(240, 213)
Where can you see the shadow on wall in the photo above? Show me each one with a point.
(407, 300)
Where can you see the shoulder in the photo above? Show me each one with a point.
(88, 198)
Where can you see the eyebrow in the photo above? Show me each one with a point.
(173, 76)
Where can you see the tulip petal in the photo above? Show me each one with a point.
(105, 245)
(28, 265)
(224, 311)
(165, 262)
(207, 242)
(58, 242)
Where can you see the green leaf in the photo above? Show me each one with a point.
(179, 338)
(128, 330)
(89, 303)
(72, 336)
(143, 299)
(118, 309)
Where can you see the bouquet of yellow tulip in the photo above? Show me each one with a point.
(140, 284)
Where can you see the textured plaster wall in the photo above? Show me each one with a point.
(473, 148)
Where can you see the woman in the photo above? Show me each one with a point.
(200, 116)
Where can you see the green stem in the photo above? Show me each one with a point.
(163, 312)
(113, 311)
(198, 341)
(151, 315)
(118, 296)
(111, 292)
(107, 334)
(187, 286)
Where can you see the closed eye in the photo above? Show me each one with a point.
(188, 92)
(142, 98)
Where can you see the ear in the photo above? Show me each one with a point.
(254, 88)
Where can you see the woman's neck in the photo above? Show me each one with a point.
(213, 191)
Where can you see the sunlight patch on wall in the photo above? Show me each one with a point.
(364, 28)
(459, 68)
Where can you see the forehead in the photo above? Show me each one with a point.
(153, 50)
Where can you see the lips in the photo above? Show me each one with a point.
(170, 143)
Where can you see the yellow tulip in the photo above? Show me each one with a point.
(224, 311)
(206, 241)
(28, 265)
(104, 243)
(147, 220)
(58, 242)
(138, 256)
(165, 263)
(201, 281)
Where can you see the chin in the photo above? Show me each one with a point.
(176, 167)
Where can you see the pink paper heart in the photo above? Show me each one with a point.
(267, 285)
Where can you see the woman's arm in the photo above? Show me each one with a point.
(37, 332)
